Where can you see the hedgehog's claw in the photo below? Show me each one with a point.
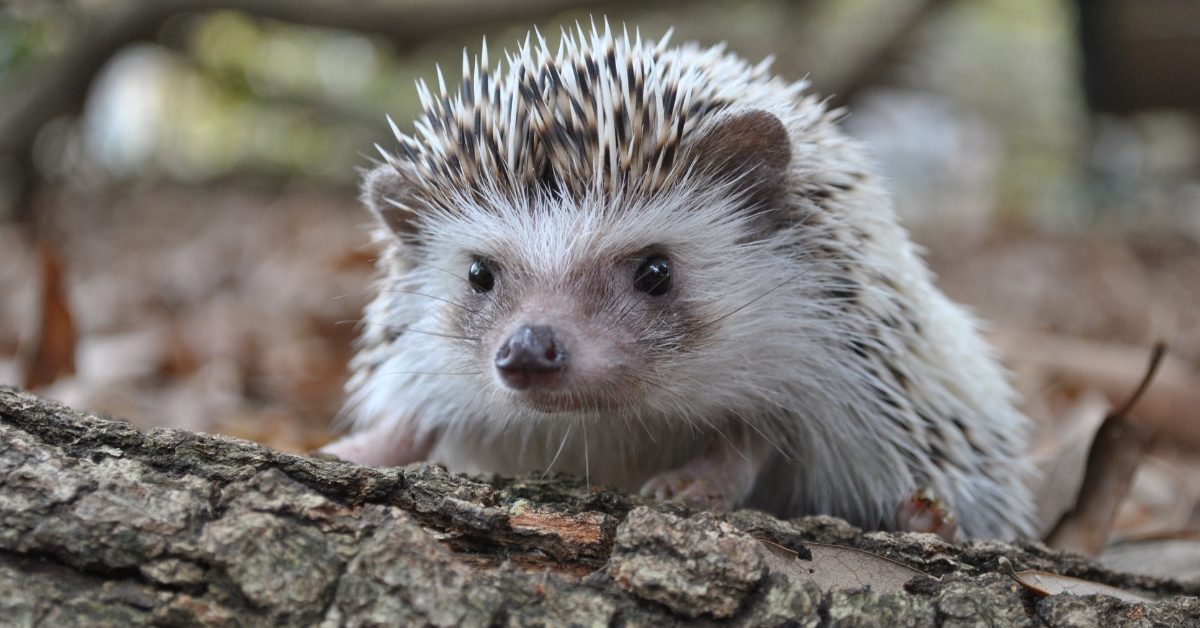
(924, 512)
(719, 478)
(692, 490)
(381, 446)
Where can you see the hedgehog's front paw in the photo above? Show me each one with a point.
(924, 512)
(720, 477)
(680, 485)
(385, 445)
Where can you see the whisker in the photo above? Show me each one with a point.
(434, 297)
(633, 302)
(441, 335)
(401, 329)
(611, 304)
(354, 293)
(746, 304)
(770, 442)
(646, 428)
(385, 373)
(558, 453)
(752, 426)
(459, 277)
(625, 311)
(725, 437)
(587, 466)
(744, 420)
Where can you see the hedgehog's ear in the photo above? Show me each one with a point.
(387, 193)
(749, 147)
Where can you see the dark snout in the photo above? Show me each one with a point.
(532, 356)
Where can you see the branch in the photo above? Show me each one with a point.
(102, 522)
(879, 55)
(59, 86)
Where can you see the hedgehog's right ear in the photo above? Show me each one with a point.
(388, 194)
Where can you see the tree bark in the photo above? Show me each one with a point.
(102, 523)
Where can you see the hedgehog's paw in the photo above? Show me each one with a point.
(718, 478)
(924, 512)
(685, 486)
(384, 445)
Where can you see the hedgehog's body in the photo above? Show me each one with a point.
(787, 352)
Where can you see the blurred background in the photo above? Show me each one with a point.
(181, 245)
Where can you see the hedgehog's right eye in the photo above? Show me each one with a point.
(480, 276)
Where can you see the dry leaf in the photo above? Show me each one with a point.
(1164, 500)
(54, 352)
(1060, 457)
(1176, 558)
(838, 568)
(1170, 404)
(1114, 457)
(1045, 583)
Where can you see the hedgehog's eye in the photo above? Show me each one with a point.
(480, 276)
(654, 276)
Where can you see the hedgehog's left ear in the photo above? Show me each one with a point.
(387, 193)
(749, 147)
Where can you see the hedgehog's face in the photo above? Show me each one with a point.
(567, 339)
(600, 302)
(565, 308)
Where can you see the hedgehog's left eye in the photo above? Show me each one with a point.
(654, 276)
(480, 276)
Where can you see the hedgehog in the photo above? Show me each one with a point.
(667, 270)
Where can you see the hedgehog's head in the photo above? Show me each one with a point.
(575, 266)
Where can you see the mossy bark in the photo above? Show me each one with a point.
(103, 524)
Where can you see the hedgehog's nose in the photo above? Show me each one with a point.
(532, 356)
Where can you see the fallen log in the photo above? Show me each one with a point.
(102, 523)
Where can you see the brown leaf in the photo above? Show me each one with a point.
(1170, 405)
(1115, 455)
(1060, 456)
(54, 352)
(1045, 583)
(1164, 500)
(839, 568)
(1176, 558)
